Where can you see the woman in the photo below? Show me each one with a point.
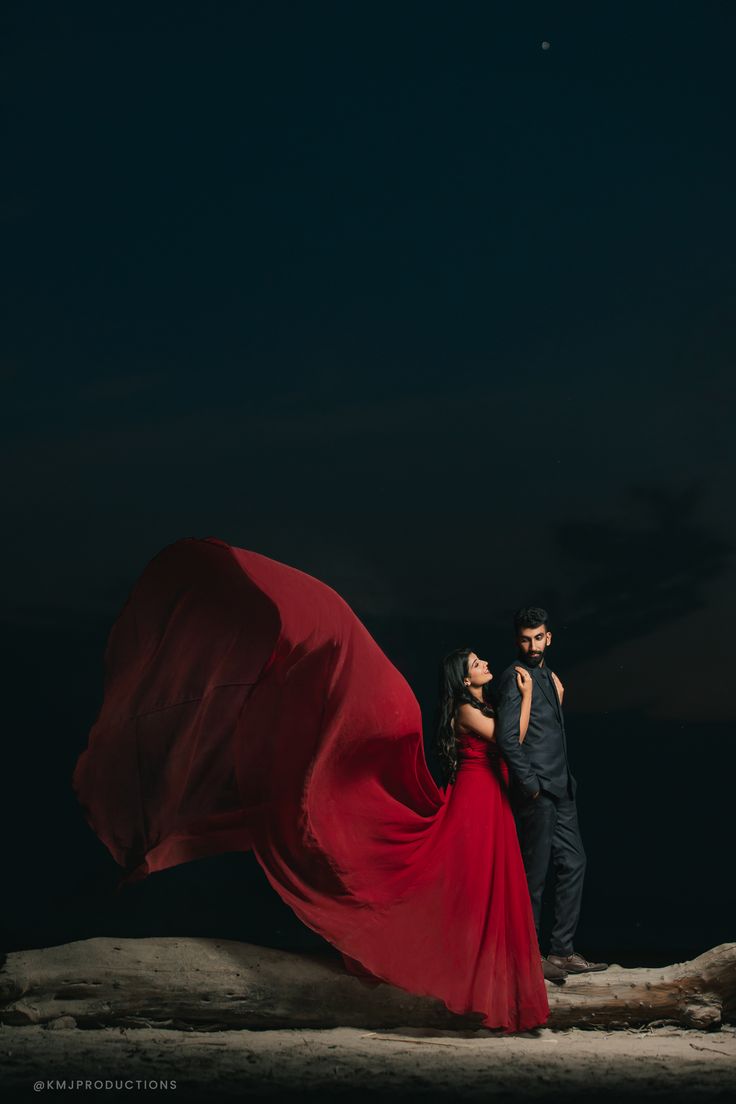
(490, 867)
(247, 707)
(462, 709)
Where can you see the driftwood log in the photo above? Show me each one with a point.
(206, 984)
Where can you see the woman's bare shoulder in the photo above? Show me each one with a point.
(472, 719)
(466, 710)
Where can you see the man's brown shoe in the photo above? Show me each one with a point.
(576, 964)
(553, 973)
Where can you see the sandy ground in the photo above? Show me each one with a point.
(653, 1064)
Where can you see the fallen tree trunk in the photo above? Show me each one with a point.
(210, 984)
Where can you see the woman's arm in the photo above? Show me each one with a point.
(524, 682)
(560, 687)
(509, 700)
(473, 719)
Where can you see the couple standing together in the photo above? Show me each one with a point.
(526, 725)
(247, 708)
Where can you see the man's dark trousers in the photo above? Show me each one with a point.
(549, 833)
(547, 825)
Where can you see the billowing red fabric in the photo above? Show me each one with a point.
(246, 706)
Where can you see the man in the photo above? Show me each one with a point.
(543, 791)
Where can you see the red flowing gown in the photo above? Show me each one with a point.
(247, 707)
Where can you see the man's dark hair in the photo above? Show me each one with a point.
(531, 617)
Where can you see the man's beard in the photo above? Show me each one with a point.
(533, 660)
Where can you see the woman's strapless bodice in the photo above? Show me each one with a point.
(474, 751)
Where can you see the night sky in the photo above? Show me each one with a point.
(397, 296)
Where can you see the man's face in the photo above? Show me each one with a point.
(532, 644)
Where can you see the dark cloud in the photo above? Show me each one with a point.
(643, 572)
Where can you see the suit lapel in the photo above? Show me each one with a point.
(549, 691)
(557, 696)
(558, 704)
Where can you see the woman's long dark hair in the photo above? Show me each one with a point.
(452, 694)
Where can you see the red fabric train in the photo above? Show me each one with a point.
(246, 706)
